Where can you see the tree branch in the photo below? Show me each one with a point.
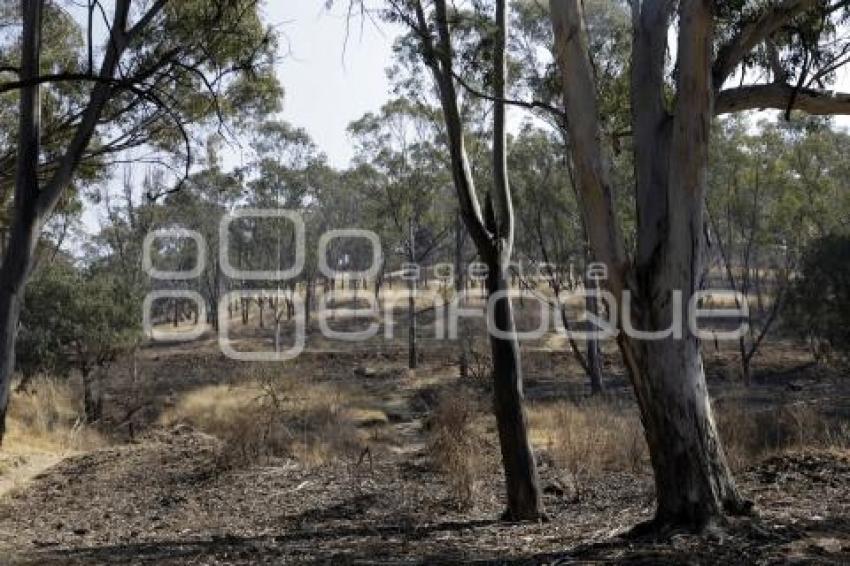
(528, 104)
(501, 187)
(439, 59)
(54, 78)
(777, 96)
(97, 102)
(730, 54)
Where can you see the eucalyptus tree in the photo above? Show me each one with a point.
(820, 307)
(772, 191)
(204, 198)
(285, 174)
(788, 49)
(77, 319)
(435, 33)
(404, 197)
(552, 234)
(164, 67)
(536, 88)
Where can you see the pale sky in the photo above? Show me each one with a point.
(328, 83)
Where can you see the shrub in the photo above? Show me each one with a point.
(269, 416)
(49, 416)
(750, 434)
(819, 309)
(589, 438)
(455, 445)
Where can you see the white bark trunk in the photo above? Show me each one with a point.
(693, 483)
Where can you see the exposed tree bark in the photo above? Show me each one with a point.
(694, 486)
(494, 244)
(779, 96)
(411, 299)
(23, 234)
(524, 501)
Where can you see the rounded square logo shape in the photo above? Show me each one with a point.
(171, 336)
(478, 271)
(177, 234)
(326, 314)
(444, 271)
(259, 274)
(411, 271)
(368, 235)
(226, 344)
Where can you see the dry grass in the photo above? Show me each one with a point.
(588, 438)
(455, 444)
(268, 416)
(750, 435)
(44, 425)
(48, 417)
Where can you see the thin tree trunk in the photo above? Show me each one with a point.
(411, 301)
(594, 352)
(494, 244)
(523, 489)
(459, 288)
(26, 225)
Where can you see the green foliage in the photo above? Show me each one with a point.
(401, 175)
(807, 50)
(548, 217)
(782, 184)
(820, 306)
(75, 319)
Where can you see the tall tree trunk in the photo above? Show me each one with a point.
(523, 487)
(19, 257)
(594, 352)
(26, 225)
(463, 362)
(411, 300)
(494, 244)
(694, 485)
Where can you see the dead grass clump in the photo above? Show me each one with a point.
(750, 434)
(269, 416)
(590, 437)
(48, 416)
(455, 444)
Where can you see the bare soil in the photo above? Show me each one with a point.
(165, 496)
